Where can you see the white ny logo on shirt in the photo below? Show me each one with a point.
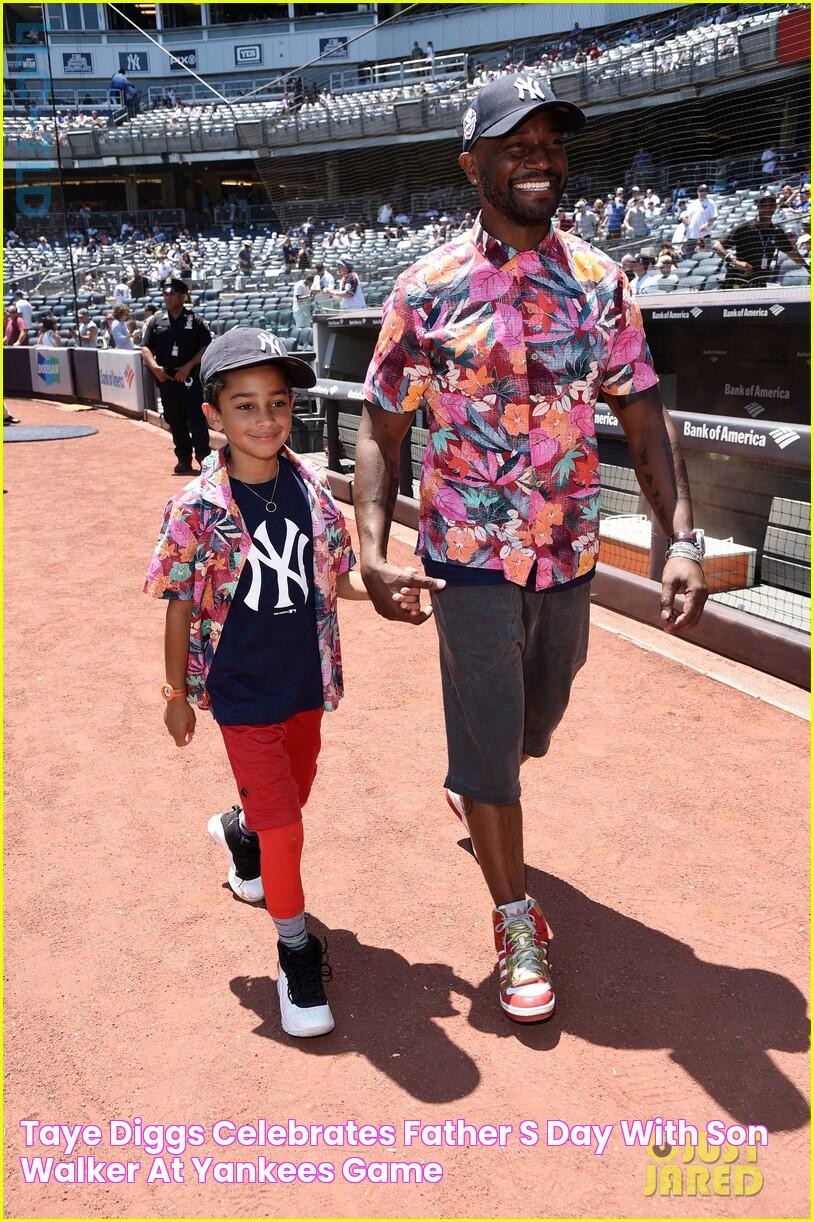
(269, 558)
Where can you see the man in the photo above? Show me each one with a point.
(350, 294)
(301, 303)
(244, 257)
(667, 279)
(24, 308)
(756, 245)
(122, 293)
(646, 277)
(483, 335)
(173, 344)
(701, 212)
(615, 214)
(86, 329)
(15, 334)
(323, 282)
(385, 214)
(586, 221)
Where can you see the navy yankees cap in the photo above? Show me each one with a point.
(250, 346)
(502, 104)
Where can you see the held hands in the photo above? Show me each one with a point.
(179, 718)
(682, 576)
(396, 593)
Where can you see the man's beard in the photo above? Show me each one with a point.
(517, 210)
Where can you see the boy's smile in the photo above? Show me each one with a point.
(254, 411)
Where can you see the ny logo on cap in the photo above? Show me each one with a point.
(272, 343)
(525, 85)
(470, 119)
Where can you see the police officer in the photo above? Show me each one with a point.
(174, 342)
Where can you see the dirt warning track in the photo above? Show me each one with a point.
(666, 838)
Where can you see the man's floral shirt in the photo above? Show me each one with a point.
(508, 351)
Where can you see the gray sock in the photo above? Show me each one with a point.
(291, 931)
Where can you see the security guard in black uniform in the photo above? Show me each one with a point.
(174, 342)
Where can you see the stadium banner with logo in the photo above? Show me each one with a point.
(764, 439)
(334, 47)
(188, 58)
(120, 379)
(20, 65)
(51, 373)
(77, 61)
(248, 53)
(134, 61)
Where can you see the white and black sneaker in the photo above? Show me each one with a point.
(243, 850)
(304, 1007)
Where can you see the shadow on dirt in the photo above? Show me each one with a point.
(619, 985)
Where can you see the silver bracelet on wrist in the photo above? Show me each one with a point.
(689, 551)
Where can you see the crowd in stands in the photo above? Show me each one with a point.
(660, 45)
(277, 278)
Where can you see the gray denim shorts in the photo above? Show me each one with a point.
(508, 658)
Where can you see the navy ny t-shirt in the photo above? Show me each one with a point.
(267, 665)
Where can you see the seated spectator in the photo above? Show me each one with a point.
(646, 275)
(49, 334)
(563, 221)
(627, 265)
(119, 331)
(15, 334)
(667, 276)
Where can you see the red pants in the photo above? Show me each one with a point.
(274, 767)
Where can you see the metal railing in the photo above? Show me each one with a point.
(190, 133)
(399, 72)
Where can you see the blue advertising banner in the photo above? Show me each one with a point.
(134, 61)
(189, 59)
(77, 61)
(334, 47)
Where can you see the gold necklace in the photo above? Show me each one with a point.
(270, 504)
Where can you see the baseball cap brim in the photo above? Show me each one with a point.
(299, 374)
(573, 119)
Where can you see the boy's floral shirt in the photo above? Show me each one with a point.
(200, 555)
(508, 350)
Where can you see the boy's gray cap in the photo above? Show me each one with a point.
(250, 346)
(502, 104)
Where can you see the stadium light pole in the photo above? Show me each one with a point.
(59, 166)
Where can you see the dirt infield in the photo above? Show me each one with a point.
(666, 836)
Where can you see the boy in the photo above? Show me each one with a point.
(258, 642)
